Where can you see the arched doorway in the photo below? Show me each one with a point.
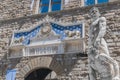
(41, 74)
(41, 64)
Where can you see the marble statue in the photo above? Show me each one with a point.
(101, 65)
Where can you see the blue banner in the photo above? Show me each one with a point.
(27, 35)
(61, 29)
(58, 29)
(11, 74)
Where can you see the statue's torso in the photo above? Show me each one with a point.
(94, 30)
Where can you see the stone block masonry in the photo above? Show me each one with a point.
(79, 67)
(10, 9)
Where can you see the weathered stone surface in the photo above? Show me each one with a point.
(15, 8)
(76, 66)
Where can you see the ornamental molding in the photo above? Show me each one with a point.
(48, 37)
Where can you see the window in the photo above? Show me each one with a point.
(102, 1)
(44, 6)
(92, 2)
(56, 5)
(49, 5)
(89, 2)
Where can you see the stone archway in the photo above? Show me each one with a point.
(39, 74)
(47, 62)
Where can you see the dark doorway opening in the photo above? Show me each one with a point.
(39, 74)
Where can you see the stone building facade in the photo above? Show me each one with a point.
(74, 66)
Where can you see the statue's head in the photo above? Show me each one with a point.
(94, 13)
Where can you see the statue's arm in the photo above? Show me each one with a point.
(95, 22)
(102, 28)
(112, 61)
(92, 74)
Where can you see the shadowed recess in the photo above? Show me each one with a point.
(39, 74)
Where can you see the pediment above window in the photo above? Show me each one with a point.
(48, 32)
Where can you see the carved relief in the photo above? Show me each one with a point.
(71, 34)
(49, 37)
(18, 41)
(45, 29)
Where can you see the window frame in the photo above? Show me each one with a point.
(54, 3)
(40, 6)
(49, 6)
(96, 2)
(102, 2)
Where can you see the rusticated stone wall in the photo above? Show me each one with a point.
(10, 9)
(79, 64)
